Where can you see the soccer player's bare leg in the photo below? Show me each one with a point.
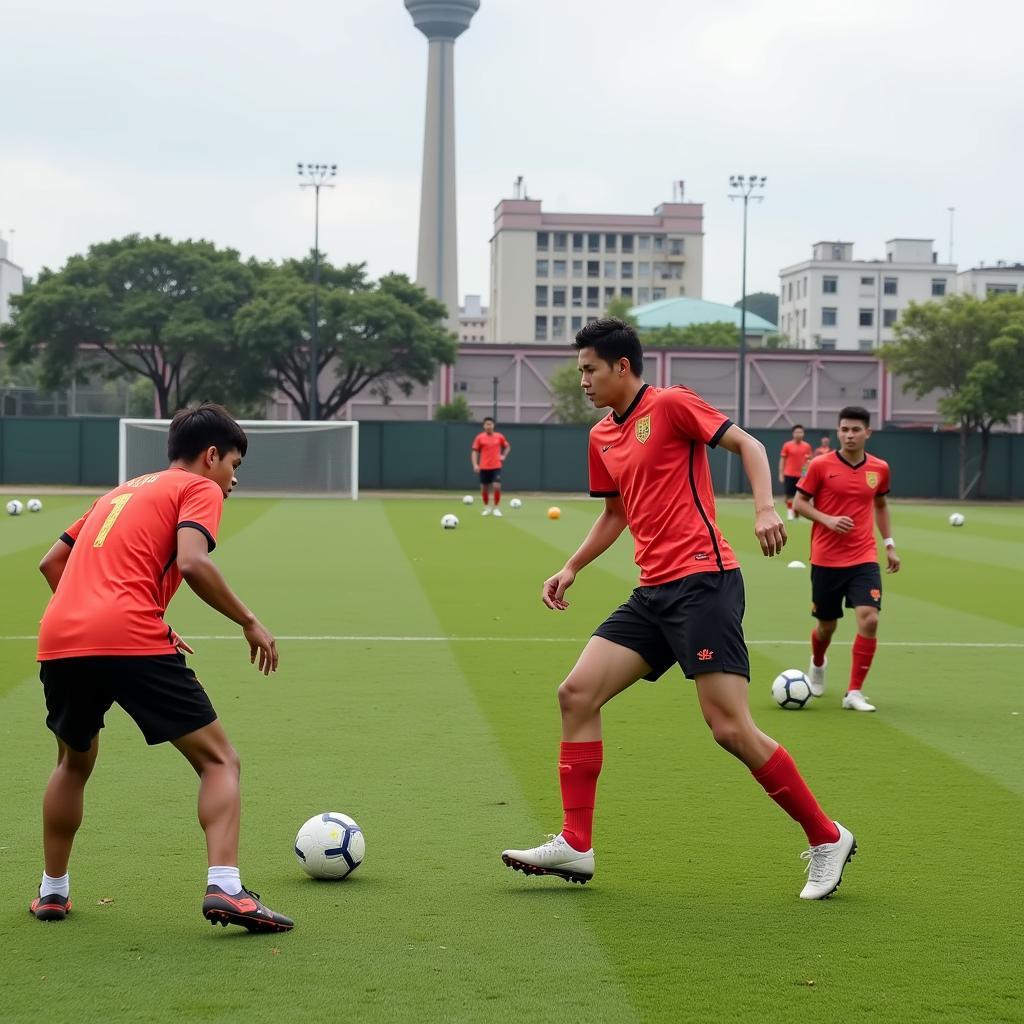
(63, 804)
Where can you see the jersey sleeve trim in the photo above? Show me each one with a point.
(719, 434)
(806, 493)
(604, 494)
(68, 539)
(210, 542)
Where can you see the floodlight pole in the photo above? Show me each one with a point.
(315, 175)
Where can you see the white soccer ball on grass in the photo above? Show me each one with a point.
(956, 519)
(515, 503)
(330, 845)
(467, 499)
(34, 505)
(15, 507)
(449, 522)
(791, 689)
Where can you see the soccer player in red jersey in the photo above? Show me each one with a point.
(103, 640)
(795, 455)
(847, 489)
(648, 460)
(825, 448)
(489, 451)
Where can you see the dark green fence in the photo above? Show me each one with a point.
(435, 456)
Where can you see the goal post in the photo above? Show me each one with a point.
(293, 457)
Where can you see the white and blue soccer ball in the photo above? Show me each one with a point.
(515, 503)
(956, 519)
(449, 522)
(15, 507)
(34, 505)
(467, 499)
(791, 689)
(330, 845)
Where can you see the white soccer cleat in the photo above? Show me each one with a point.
(498, 513)
(555, 857)
(486, 512)
(790, 514)
(856, 701)
(816, 677)
(825, 865)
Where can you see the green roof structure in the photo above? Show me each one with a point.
(683, 312)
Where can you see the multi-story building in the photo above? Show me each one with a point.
(1002, 279)
(11, 282)
(833, 301)
(472, 321)
(553, 272)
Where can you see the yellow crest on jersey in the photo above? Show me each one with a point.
(643, 429)
(872, 479)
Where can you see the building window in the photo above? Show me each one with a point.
(643, 243)
(866, 344)
(577, 241)
(627, 243)
(938, 286)
(659, 243)
(889, 285)
(867, 282)
(643, 295)
(560, 239)
(558, 328)
(593, 298)
(866, 318)
(577, 268)
(994, 288)
(627, 267)
(789, 292)
(558, 268)
(558, 297)
(593, 268)
(837, 252)
(803, 317)
(889, 317)
(828, 344)
(829, 317)
(609, 294)
(577, 296)
(540, 328)
(830, 284)
(593, 242)
(676, 246)
(542, 268)
(542, 241)
(610, 268)
(610, 243)
(577, 324)
(657, 294)
(627, 293)
(643, 269)
(540, 297)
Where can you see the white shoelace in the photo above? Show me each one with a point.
(818, 862)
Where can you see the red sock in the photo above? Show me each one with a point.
(789, 505)
(819, 647)
(863, 653)
(497, 501)
(579, 765)
(784, 784)
(484, 494)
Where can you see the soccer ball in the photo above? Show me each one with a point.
(554, 512)
(515, 503)
(467, 499)
(34, 505)
(954, 520)
(791, 689)
(15, 507)
(330, 845)
(449, 522)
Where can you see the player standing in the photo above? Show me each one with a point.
(103, 640)
(848, 490)
(648, 460)
(795, 455)
(825, 447)
(489, 451)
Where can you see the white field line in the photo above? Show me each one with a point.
(545, 640)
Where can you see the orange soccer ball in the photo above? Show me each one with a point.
(554, 512)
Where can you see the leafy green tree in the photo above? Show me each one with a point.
(620, 307)
(762, 304)
(385, 336)
(567, 398)
(718, 334)
(138, 307)
(455, 411)
(971, 350)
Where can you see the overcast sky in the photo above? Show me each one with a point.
(186, 118)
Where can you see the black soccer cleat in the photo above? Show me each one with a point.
(50, 908)
(244, 909)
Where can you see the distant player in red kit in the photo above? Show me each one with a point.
(795, 455)
(488, 454)
(649, 462)
(825, 448)
(843, 494)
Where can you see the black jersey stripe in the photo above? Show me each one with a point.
(700, 509)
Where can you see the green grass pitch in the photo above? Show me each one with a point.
(417, 693)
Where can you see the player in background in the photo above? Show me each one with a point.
(825, 448)
(489, 451)
(648, 460)
(103, 640)
(795, 455)
(843, 494)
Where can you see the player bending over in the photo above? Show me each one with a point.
(103, 640)
(848, 489)
(648, 460)
(489, 451)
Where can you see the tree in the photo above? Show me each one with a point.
(383, 336)
(762, 304)
(620, 307)
(567, 398)
(972, 350)
(139, 307)
(455, 411)
(717, 334)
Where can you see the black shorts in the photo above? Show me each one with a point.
(696, 621)
(860, 585)
(789, 483)
(490, 476)
(160, 693)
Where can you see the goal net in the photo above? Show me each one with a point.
(284, 457)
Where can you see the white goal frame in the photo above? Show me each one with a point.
(284, 425)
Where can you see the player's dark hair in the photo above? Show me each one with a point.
(199, 427)
(797, 426)
(612, 339)
(488, 419)
(856, 412)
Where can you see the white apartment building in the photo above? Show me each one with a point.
(553, 272)
(11, 283)
(1002, 279)
(833, 301)
(472, 321)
